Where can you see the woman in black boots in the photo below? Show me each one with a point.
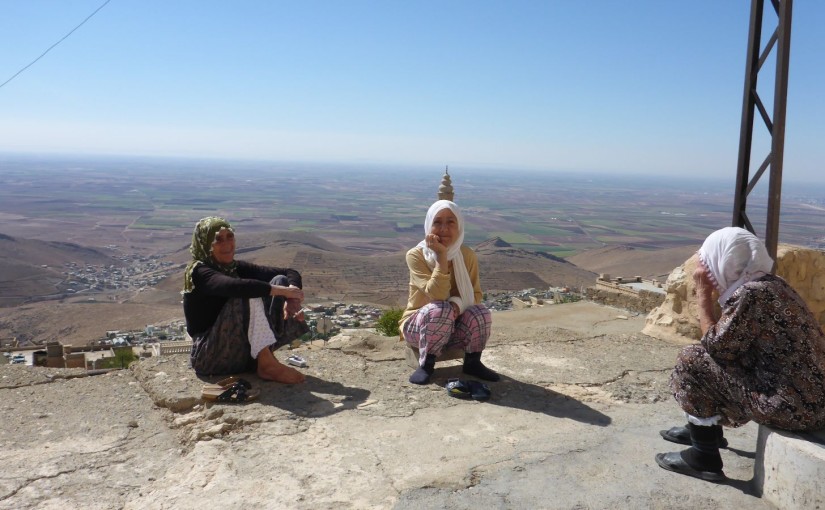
(444, 309)
(763, 359)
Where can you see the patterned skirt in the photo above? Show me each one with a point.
(225, 349)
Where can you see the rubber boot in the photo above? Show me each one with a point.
(681, 435)
(422, 374)
(474, 366)
(721, 442)
(703, 455)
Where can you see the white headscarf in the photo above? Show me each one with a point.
(734, 257)
(462, 277)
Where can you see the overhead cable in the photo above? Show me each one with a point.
(55, 44)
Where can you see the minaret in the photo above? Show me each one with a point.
(445, 191)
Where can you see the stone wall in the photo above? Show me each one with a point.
(639, 302)
(677, 319)
(804, 270)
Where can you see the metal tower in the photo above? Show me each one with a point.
(781, 41)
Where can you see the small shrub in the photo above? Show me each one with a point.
(387, 324)
(123, 358)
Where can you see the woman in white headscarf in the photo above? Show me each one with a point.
(762, 360)
(444, 309)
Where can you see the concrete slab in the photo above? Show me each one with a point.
(790, 468)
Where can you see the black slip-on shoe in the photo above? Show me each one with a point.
(673, 461)
(681, 435)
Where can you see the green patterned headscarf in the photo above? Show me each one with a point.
(201, 249)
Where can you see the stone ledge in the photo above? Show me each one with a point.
(790, 467)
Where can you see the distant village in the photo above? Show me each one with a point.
(137, 272)
(324, 320)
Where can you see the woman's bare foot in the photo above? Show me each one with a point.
(271, 369)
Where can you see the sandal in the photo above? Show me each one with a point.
(235, 392)
(673, 461)
(681, 435)
(229, 381)
(467, 389)
(297, 361)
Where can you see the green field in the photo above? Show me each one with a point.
(557, 214)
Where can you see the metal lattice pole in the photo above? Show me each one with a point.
(781, 41)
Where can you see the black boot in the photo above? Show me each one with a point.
(474, 366)
(422, 374)
(704, 452)
(702, 460)
(681, 435)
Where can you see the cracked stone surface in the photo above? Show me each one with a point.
(572, 424)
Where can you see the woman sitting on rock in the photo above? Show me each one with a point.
(232, 307)
(444, 309)
(762, 360)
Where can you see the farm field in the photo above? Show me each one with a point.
(66, 222)
(150, 206)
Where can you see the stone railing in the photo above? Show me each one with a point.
(641, 301)
(176, 347)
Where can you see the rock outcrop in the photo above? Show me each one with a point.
(677, 319)
(573, 423)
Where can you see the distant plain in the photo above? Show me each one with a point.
(345, 227)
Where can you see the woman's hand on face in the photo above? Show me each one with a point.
(704, 291)
(287, 292)
(434, 243)
(701, 277)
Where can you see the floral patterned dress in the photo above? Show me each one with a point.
(764, 360)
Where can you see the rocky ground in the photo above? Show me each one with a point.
(573, 424)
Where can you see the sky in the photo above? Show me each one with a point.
(633, 86)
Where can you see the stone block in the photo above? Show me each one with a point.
(790, 468)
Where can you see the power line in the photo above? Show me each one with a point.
(55, 44)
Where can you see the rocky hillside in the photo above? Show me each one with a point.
(34, 269)
(629, 261)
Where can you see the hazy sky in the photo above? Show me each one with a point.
(647, 86)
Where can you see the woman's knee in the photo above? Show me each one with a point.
(279, 280)
(434, 318)
(477, 314)
(437, 309)
(692, 358)
(695, 369)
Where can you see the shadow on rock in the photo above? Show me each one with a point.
(517, 394)
(510, 392)
(743, 453)
(313, 398)
(747, 487)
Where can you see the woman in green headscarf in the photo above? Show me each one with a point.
(235, 310)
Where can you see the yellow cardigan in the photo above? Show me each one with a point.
(428, 285)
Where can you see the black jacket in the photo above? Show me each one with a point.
(212, 288)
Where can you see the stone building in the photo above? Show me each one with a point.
(445, 191)
(633, 294)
